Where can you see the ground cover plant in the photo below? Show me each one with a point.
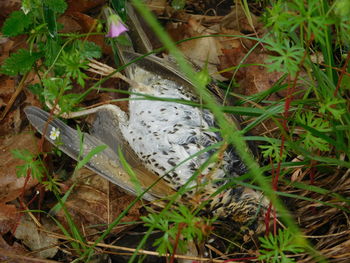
(280, 67)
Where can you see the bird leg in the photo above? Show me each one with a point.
(103, 70)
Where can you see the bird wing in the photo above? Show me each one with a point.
(106, 163)
(105, 127)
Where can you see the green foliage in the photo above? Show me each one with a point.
(300, 29)
(342, 8)
(16, 24)
(173, 223)
(294, 24)
(178, 4)
(90, 155)
(32, 165)
(87, 50)
(58, 6)
(273, 150)
(38, 90)
(342, 16)
(288, 59)
(287, 17)
(63, 57)
(276, 248)
(119, 6)
(73, 61)
(52, 185)
(54, 86)
(311, 16)
(68, 102)
(55, 89)
(20, 62)
(51, 50)
(331, 105)
(310, 141)
(203, 76)
(73, 65)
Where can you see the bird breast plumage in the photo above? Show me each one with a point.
(165, 133)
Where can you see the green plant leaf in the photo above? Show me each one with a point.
(289, 57)
(31, 164)
(51, 49)
(38, 90)
(89, 49)
(273, 150)
(275, 248)
(20, 62)
(58, 6)
(17, 23)
(178, 4)
(314, 124)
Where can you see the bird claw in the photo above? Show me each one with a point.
(101, 68)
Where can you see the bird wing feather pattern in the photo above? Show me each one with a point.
(106, 163)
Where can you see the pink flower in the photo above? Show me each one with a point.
(115, 24)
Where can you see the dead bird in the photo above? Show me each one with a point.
(161, 139)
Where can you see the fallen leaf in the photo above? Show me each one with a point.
(96, 202)
(157, 6)
(7, 88)
(7, 7)
(6, 45)
(257, 78)
(203, 52)
(8, 217)
(13, 100)
(70, 25)
(13, 253)
(230, 59)
(88, 24)
(238, 20)
(83, 6)
(35, 239)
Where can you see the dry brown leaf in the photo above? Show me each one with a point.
(12, 253)
(7, 7)
(10, 185)
(238, 21)
(29, 233)
(87, 23)
(7, 87)
(79, 22)
(217, 53)
(6, 45)
(231, 58)
(8, 217)
(201, 51)
(157, 6)
(257, 78)
(83, 5)
(70, 25)
(95, 201)
(12, 100)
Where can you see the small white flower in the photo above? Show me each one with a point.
(54, 133)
